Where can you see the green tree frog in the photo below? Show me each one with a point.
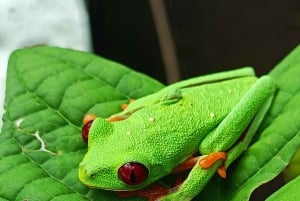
(214, 116)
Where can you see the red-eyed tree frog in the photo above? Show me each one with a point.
(161, 133)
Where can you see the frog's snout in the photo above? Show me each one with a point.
(86, 172)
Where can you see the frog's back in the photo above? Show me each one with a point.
(174, 129)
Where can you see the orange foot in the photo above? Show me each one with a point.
(88, 117)
(210, 159)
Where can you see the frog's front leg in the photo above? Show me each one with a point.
(91, 117)
(193, 184)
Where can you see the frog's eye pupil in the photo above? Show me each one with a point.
(85, 131)
(133, 173)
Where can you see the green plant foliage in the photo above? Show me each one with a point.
(49, 90)
(288, 192)
(293, 169)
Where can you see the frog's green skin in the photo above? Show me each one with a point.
(206, 114)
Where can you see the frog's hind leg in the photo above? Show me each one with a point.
(120, 117)
(125, 105)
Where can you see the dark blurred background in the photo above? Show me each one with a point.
(206, 36)
(174, 39)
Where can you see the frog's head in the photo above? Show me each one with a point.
(113, 162)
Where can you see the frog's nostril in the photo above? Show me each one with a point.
(87, 171)
(91, 175)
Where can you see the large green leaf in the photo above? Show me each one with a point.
(50, 89)
(48, 92)
(293, 169)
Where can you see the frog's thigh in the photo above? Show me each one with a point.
(236, 122)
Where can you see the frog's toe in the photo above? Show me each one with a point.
(222, 171)
(88, 117)
(211, 158)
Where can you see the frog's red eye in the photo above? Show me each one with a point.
(85, 131)
(133, 173)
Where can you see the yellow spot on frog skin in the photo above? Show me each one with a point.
(230, 91)
(212, 114)
(128, 133)
(151, 119)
